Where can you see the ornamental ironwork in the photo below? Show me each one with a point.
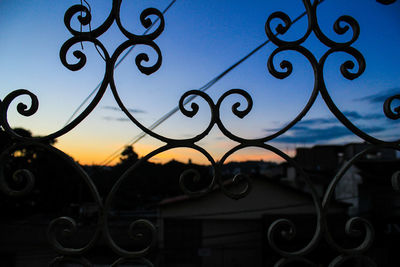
(281, 228)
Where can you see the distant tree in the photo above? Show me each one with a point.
(6, 139)
(56, 184)
(128, 155)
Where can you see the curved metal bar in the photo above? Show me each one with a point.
(386, 2)
(85, 20)
(289, 261)
(64, 259)
(341, 26)
(281, 75)
(281, 29)
(351, 225)
(141, 57)
(22, 109)
(25, 111)
(311, 11)
(110, 62)
(141, 261)
(146, 22)
(21, 174)
(318, 67)
(113, 15)
(134, 254)
(196, 177)
(396, 181)
(342, 259)
(350, 21)
(236, 179)
(391, 114)
(71, 225)
(239, 113)
(345, 67)
(279, 223)
(186, 112)
(78, 54)
(96, 196)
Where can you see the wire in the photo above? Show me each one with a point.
(205, 87)
(115, 66)
(302, 204)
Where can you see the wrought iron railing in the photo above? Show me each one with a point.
(280, 228)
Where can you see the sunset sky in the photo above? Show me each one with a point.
(201, 39)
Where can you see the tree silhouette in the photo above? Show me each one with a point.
(55, 187)
(128, 156)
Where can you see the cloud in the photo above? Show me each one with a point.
(354, 115)
(379, 98)
(108, 118)
(131, 110)
(318, 130)
(318, 122)
(308, 135)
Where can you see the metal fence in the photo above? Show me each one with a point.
(357, 227)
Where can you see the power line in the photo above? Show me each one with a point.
(300, 204)
(115, 66)
(205, 87)
(297, 205)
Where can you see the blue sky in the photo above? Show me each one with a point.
(201, 39)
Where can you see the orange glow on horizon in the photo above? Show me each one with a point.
(92, 153)
(255, 157)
